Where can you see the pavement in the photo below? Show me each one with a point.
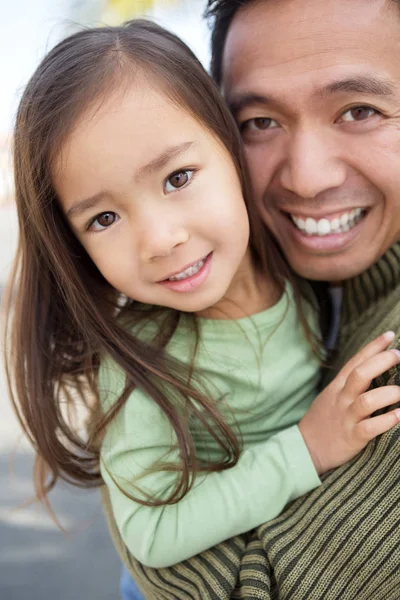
(38, 561)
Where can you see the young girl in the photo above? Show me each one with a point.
(140, 283)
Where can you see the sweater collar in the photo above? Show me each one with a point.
(361, 293)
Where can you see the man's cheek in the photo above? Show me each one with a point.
(261, 171)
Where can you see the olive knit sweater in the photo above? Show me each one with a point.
(338, 542)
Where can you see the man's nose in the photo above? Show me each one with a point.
(160, 235)
(312, 165)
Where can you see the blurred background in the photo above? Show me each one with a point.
(37, 560)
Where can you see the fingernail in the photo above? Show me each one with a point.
(397, 413)
(396, 352)
(389, 335)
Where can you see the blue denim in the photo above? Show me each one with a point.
(128, 588)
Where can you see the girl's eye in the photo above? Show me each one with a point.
(358, 113)
(102, 221)
(178, 180)
(259, 124)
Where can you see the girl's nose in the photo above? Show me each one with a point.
(161, 240)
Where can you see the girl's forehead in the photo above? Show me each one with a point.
(138, 103)
(128, 108)
(128, 137)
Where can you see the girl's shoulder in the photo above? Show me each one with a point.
(110, 382)
(150, 329)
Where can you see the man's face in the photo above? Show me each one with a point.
(315, 88)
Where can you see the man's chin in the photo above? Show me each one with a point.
(332, 269)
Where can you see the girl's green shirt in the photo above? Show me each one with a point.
(264, 375)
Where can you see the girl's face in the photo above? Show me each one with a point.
(155, 200)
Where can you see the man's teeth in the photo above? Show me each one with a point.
(188, 272)
(323, 227)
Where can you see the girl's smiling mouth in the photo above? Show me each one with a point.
(189, 278)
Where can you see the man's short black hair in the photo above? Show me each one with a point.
(220, 14)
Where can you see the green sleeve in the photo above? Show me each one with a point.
(219, 506)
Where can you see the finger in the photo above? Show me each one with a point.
(374, 400)
(370, 428)
(377, 345)
(360, 378)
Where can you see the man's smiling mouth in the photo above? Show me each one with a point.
(328, 225)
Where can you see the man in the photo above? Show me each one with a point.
(315, 88)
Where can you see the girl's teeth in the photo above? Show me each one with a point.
(189, 272)
(335, 224)
(324, 227)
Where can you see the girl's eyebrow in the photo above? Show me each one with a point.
(82, 206)
(161, 161)
(156, 164)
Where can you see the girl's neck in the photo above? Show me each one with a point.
(250, 292)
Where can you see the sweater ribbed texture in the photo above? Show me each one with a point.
(338, 542)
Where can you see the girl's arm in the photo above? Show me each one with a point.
(219, 506)
(267, 476)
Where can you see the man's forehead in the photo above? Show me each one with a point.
(283, 38)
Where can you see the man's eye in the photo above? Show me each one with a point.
(259, 124)
(178, 180)
(103, 221)
(358, 113)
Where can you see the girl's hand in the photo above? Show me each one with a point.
(338, 424)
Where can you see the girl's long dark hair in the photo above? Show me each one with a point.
(63, 316)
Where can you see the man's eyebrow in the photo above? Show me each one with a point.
(162, 160)
(360, 84)
(238, 102)
(159, 162)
